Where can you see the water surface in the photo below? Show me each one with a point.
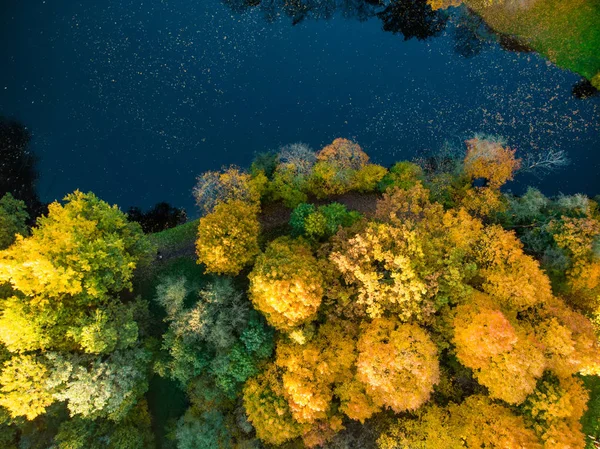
(133, 99)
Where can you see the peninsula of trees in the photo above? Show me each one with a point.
(321, 300)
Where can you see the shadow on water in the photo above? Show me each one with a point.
(18, 171)
(410, 18)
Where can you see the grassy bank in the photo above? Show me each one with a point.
(567, 32)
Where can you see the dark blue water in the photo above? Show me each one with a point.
(133, 99)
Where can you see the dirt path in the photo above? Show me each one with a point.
(274, 215)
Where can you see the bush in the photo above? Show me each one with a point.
(368, 178)
(322, 222)
(298, 217)
(404, 175)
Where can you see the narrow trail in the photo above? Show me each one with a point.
(274, 215)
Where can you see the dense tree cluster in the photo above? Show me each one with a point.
(70, 335)
(429, 306)
(447, 315)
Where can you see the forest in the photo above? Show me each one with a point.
(320, 300)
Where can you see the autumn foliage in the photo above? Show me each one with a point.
(228, 237)
(447, 315)
(398, 364)
(286, 284)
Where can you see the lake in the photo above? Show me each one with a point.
(133, 99)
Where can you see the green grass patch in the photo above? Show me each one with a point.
(591, 418)
(567, 32)
(176, 238)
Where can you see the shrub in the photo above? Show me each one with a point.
(403, 175)
(298, 217)
(322, 222)
(368, 178)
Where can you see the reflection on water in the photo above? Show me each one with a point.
(132, 101)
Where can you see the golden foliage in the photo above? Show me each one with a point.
(490, 160)
(569, 339)
(382, 261)
(368, 177)
(555, 408)
(310, 370)
(230, 184)
(509, 275)
(85, 248)
(503, 356)
(398, 205)
(481, 332)
(473, 424)
(267, 409)
(443, 4)
(344, 155)
(228, 237)
(355, 401)
(482, 201)
(286, 284)
(577, 236)
(397, 363)
(23, 388)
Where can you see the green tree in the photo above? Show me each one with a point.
(13, 220)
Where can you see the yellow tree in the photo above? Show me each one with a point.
(555, 409)
(310, 370)
(511, 277)
(490, 160)
(383, 262)
(23, 389)
(286, 284)
(337, 167)
(578, 237)
(84, 248)
(230, 184)
(504, 357)
(228, 237)
(569, 339)
(398, 363)
(267, 409)
(473, 424)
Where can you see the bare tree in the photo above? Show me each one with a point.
(542, 163)
(300, 156)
